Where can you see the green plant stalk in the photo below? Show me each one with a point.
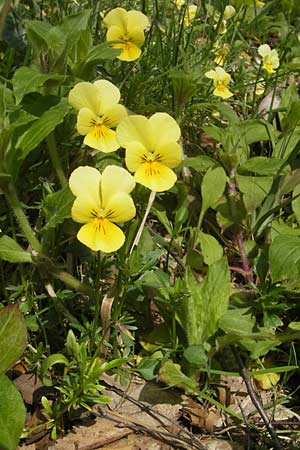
(14, 202)
(97, 301)
(55, 159)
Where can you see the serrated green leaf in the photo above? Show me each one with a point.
(12, 414)
(57, 207)
(212, 251)
(42, 127)
(12, 252)
(27, 79)
(284, 256)
(13, 336)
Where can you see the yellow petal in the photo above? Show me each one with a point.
(169, 154)
(264, 50)
(164, 129)
(108, 92)
(86, 121)
(135, 129)
(222, 91)
(102, 138)
(269, 68)
(136, 19)
(119, 208)
(211, 74)
(131, 50)
(136, 36)
(222, 76)
(155, 176)
(116, 17)
(85, 209)
(85, 181)
(115, 179)
(113, 115)
(136, 154)
(101, 234)
(85, 95)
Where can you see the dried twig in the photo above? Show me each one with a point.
(256, 401)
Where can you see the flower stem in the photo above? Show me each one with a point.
(13, 200)
(55, 159)
(141, 227)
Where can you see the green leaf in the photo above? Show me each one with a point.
(255, 130)
(27, 79)
(254, 190)
(12, 414)
(200, 163)
(148, 365)
(212, 251)
(101, 52)
(262, 165)
(43, 127)
(237, 321)
(292, 117)
(13, 336)
(163, 218)
(296, 202)
(196, 355)
(171, 375)
(37, 31)
(57, 207)
(284, 255)
(200, 311)
(12, 252)
(212, 188)
(56, 358)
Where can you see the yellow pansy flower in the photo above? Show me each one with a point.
(221, 51)
(127, 27)
(221, 79)
(190, 14)
(229, 12)
(99, 112)
(259, 3)
(152, 149)
(269, 57)
(101, 201)
(179, 3)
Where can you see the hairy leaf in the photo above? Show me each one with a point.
(12, 252)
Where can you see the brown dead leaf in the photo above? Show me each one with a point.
(200, 416)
